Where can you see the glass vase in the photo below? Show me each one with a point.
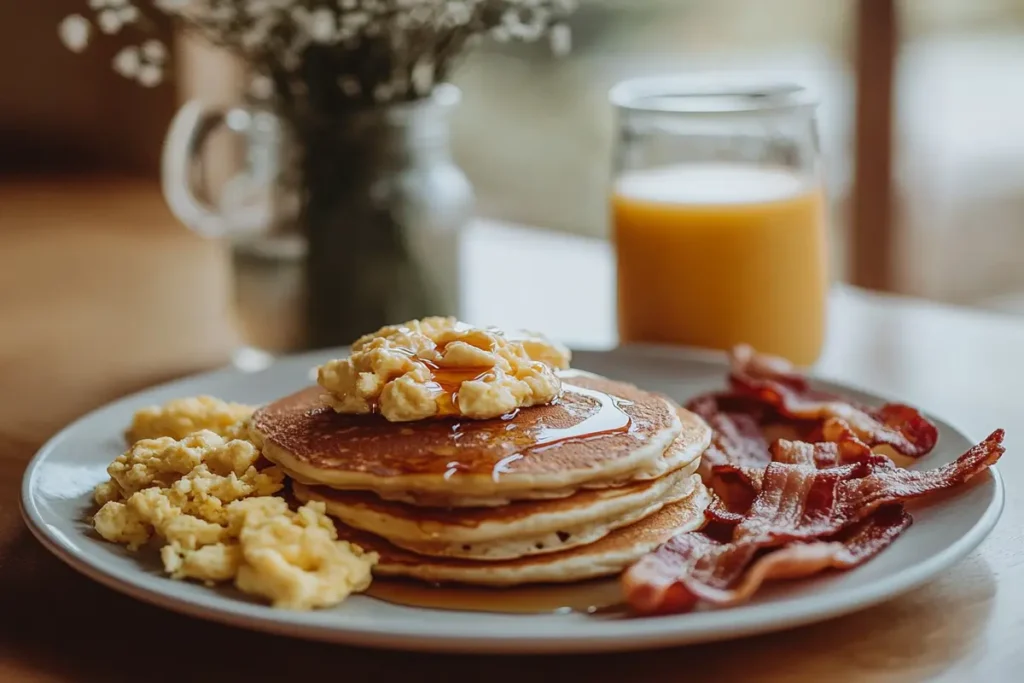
(340, 221)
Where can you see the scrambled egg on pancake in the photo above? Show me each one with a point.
(439, 366)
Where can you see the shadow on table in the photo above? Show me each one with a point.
(90, 633)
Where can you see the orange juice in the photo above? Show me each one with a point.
(712, 255)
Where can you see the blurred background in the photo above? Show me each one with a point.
(534, 131)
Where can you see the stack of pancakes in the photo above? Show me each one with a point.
(573, 490)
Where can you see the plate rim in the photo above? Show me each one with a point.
(648, 633)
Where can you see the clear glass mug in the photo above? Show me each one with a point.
(719, 216)
(255, 212)
(257, 201)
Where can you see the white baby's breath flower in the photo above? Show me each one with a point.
(154, 51)
(128, 14)
(421, 15)
(382, 93)
(109, 21)
(456, 14)
(349, 85)
(171, 6)
(423, 75)
(411, 39)
(220, 14)
(352, 23)
(260, 86)
(252, 39)
(74, 32)
(561, 39)
(127, 62)
(259, 31)
(526, 32)
(255, 8)
(300, 15)
(150, 75)
(322, 26)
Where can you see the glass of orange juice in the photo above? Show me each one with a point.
(718, 216)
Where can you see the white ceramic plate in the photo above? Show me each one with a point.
(56, 499)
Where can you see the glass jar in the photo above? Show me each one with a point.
(718, 216)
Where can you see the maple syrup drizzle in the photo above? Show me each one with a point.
(501, 467)
(608, 419)
(447, 382)
(598, 596)
(493, 447)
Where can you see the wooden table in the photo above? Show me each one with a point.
(101, 294)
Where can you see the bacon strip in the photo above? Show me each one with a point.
(738, 453)
(685, 556)
(736, 485)
(801, 502)
(737, 440)
(774, 382)
(718, 511)
(888, 484)
(815, 519)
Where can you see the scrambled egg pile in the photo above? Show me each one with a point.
(183, 416)
(440, 366)
(205, 498)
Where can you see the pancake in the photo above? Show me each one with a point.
(607, 556)
(506, 532)
(600, 432)
(687, 448)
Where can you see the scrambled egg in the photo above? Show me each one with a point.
(295, 558)
(213, 508)
(180, 417)
(439, 366)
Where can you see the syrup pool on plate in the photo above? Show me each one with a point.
(587, 597)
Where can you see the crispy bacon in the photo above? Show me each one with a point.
(738, 452)
(718, 511)
(838, 444)
(734, 463)
(809, 518)
(798, 501)
(840, 447)
(792, 507)
(736, 486)
(886, 484)
(694, 566)
(774, 382)
(737, 437)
